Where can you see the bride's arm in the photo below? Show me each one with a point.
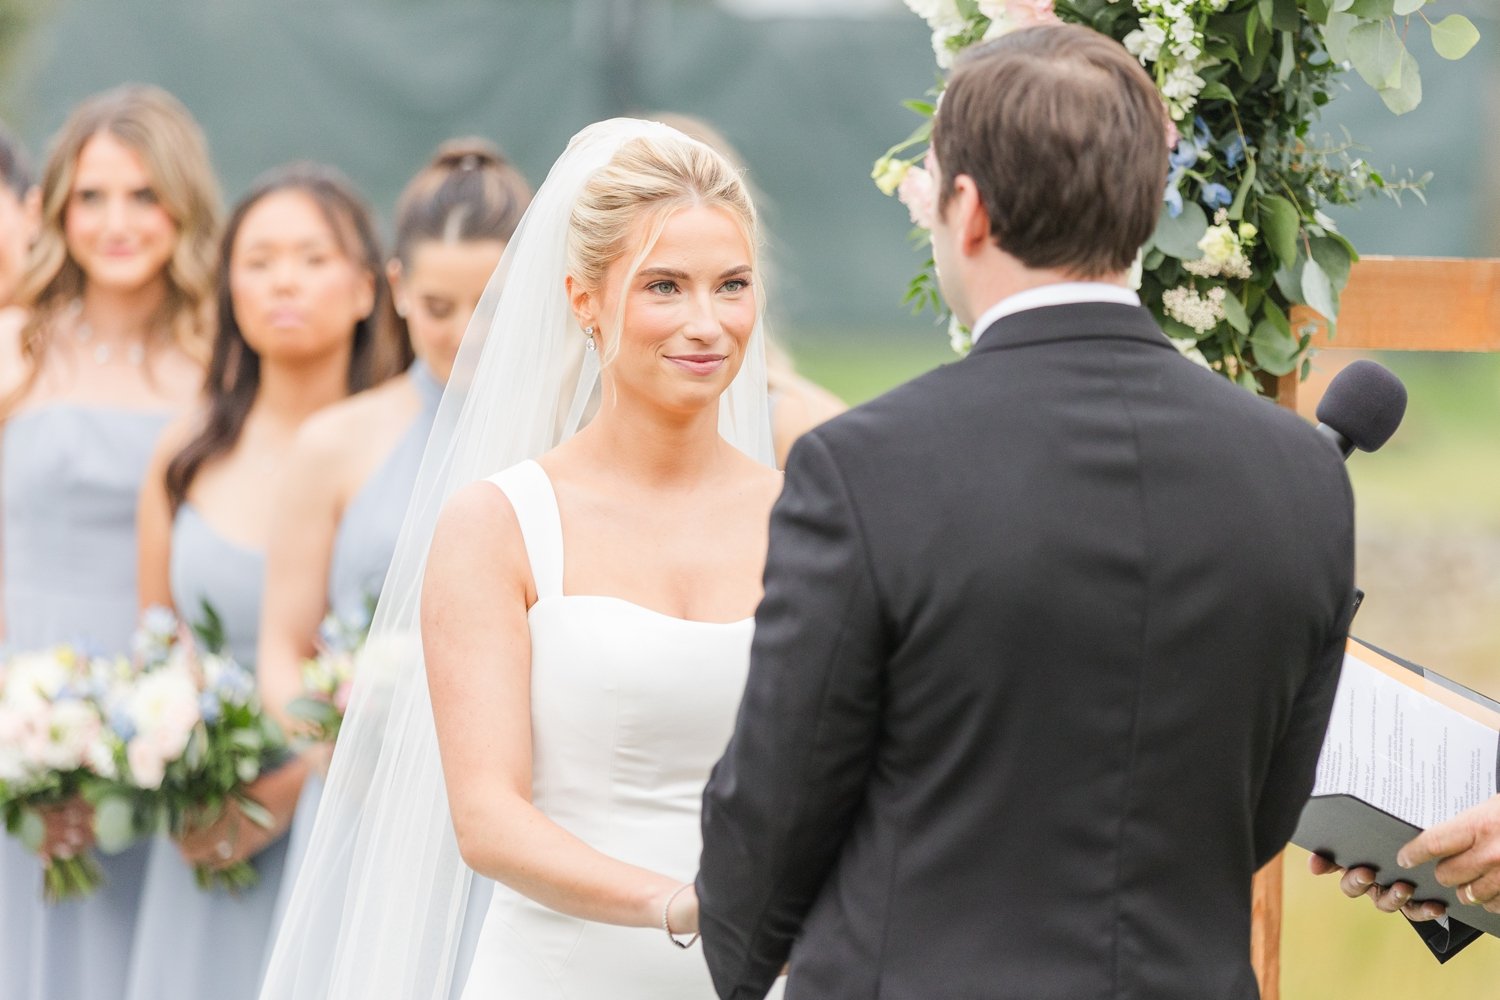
(477, 646)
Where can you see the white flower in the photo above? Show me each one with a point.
(164, 709)
(1193, 310)
(1182, 84)
(148, 763)
(33, 677)
(72, 728)
(1188, 348)
(938, 13)
(960, 337)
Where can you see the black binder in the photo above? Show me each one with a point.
(1353, 833)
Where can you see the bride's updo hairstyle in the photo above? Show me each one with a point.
(650, 179)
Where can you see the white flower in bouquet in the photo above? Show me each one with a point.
(65, 735)
(162, 711)
(32, 678)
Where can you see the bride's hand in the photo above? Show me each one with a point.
(682, 913)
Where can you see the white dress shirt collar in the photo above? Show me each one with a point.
(1064, 293)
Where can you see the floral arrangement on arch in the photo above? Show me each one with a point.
(1242, 236)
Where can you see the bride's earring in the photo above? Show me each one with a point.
(589, 344)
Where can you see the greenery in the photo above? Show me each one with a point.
(1242, 236)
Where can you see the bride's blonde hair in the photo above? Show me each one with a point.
(651, 178)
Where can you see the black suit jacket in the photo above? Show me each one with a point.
(1049, 643)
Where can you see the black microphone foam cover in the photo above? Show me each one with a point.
(1365, 402)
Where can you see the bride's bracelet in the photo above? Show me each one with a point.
(666, 924)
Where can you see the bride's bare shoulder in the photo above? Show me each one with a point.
(478, 537)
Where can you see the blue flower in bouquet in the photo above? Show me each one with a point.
(227, 681)
(1234, 151)
(153, 640)
(122, 723)
(208, 706)
(1216, 195)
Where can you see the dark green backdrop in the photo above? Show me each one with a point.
(373, 85)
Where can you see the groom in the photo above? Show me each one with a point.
(1050, 636)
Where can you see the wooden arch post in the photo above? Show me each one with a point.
(1390, 304)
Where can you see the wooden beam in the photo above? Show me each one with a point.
(1414, 304)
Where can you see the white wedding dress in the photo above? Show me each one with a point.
(630, 708)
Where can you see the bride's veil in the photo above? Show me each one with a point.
(381, 898)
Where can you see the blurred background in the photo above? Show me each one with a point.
(810, 92)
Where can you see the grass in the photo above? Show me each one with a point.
(1429, 560)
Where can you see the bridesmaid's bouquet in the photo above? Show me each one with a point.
(328, 677)
(189, 736)
(54, 748)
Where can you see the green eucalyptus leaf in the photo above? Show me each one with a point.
(1317, 11)
(1234, 312)
(1288, 58)
(1334, 255)
(921, 107)
(255, 812)
(1280, 221)
(1179, 237)
(1237, 207)
(31, 830)
(1318, 292)
(1152, 259)
(1375, 50)
(1286, 15)
(1372, 10)
(114, 824)
(1405, 8)
(1406, 93)
(1336, 35)
(1454, 36)
(1275, 348)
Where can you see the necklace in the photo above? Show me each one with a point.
(135, 354)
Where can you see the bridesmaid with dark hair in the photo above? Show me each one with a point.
(301, 324)
(106, 349)
(20, 219)
(351, 470)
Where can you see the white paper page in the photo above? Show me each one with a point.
(1403, 752)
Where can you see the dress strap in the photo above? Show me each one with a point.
(530, 493)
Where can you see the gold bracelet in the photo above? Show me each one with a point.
(666, 924)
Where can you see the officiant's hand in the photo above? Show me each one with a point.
(1357, 882)
(1467, 849)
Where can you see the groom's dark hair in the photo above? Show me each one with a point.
(1065, 137)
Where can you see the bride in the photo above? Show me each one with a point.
(583, 617)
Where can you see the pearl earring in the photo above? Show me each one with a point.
(588, 332)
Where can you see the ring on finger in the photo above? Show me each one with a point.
(1466, 894)
(224, 850)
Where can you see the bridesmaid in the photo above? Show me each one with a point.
(301, 306)
(115, 292)
(349, 476)
(20, 219)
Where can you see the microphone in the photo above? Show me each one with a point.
(1362, 407)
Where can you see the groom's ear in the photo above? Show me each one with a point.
(968, 217)
(582, 300)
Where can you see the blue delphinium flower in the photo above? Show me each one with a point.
(1234, 151)
(208, 706)
(123, 725)
(1215, 195)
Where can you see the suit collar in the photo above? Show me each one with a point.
(1080, 321)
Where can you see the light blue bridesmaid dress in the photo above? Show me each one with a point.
(192, 944)
(362, 552)
(71, 475)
